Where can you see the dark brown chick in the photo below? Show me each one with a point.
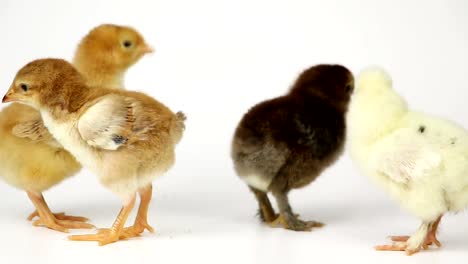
(287, 142)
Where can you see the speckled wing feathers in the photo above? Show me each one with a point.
(35, 131)
(109, 123)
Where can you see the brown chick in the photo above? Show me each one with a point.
(106, 52)
(24, 135)
(126, 138)
(286, 142)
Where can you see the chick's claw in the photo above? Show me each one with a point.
(60, 216)
(141, 226)
(104, 237)
(62, 225)
(294, 223)
(129, 232)
(430, 240)
(398, 246)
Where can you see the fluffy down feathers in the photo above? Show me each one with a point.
(126, 138)
(420, 159)
(287, 142)
(31, 164)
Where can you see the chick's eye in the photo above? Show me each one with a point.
(24, 87)
(348, 88)
(127, 43)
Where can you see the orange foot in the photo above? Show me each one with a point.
(104, 237)
(60, 216)
(398, 246)
(60, 222)
(131, 231)
(402, 245)
(430, 240)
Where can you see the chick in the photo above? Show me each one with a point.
(421, 160)
(35, 164)
(24, 135)
(285, 143)
(106, 53)
(126, 138)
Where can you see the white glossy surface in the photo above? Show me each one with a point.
(213, 60)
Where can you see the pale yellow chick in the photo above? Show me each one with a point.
(420, 159)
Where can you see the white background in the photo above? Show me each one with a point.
(215, 59)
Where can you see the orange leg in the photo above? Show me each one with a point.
(115, 233)
(59, 222)
(431, 236)
(141, 220)
(403, 243)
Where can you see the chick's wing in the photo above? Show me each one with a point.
(35, 131)
(406, 156)
(109, 124)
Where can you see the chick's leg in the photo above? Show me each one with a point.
(287, 218)
(430, 239)
(141, 220)
(266, 212)
(432, 236)
(59, 222)
(116, 232)
(412, 245)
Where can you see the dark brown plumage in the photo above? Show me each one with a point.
(286, 142)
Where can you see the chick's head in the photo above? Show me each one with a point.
(373, 79)
(334, 83)
(45, 82)
(112, 46)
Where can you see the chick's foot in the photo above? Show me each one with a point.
(292, 222)
(140, 226)
(59, 222)
(131, 231)
(113, 234)
(431, 239)
(104, 236)
(62, 225)
(401, 243)
(60, 216)
(398, 246)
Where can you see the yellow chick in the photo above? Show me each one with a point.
(126, 138)
(420, 159)
(105, 54)
(46, 165)
(23, 133)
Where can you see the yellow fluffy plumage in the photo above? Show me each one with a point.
(126, 138)
(421, 160)
(31, 158)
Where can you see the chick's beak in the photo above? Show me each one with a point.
(147, 49)
(7, 98)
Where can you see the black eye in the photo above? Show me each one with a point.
(24, 87)
(127, 43)
(348, 88)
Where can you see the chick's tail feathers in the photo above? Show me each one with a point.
(178, 127)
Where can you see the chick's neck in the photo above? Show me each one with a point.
(69, 100)
(100, 73)
(374, 114)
